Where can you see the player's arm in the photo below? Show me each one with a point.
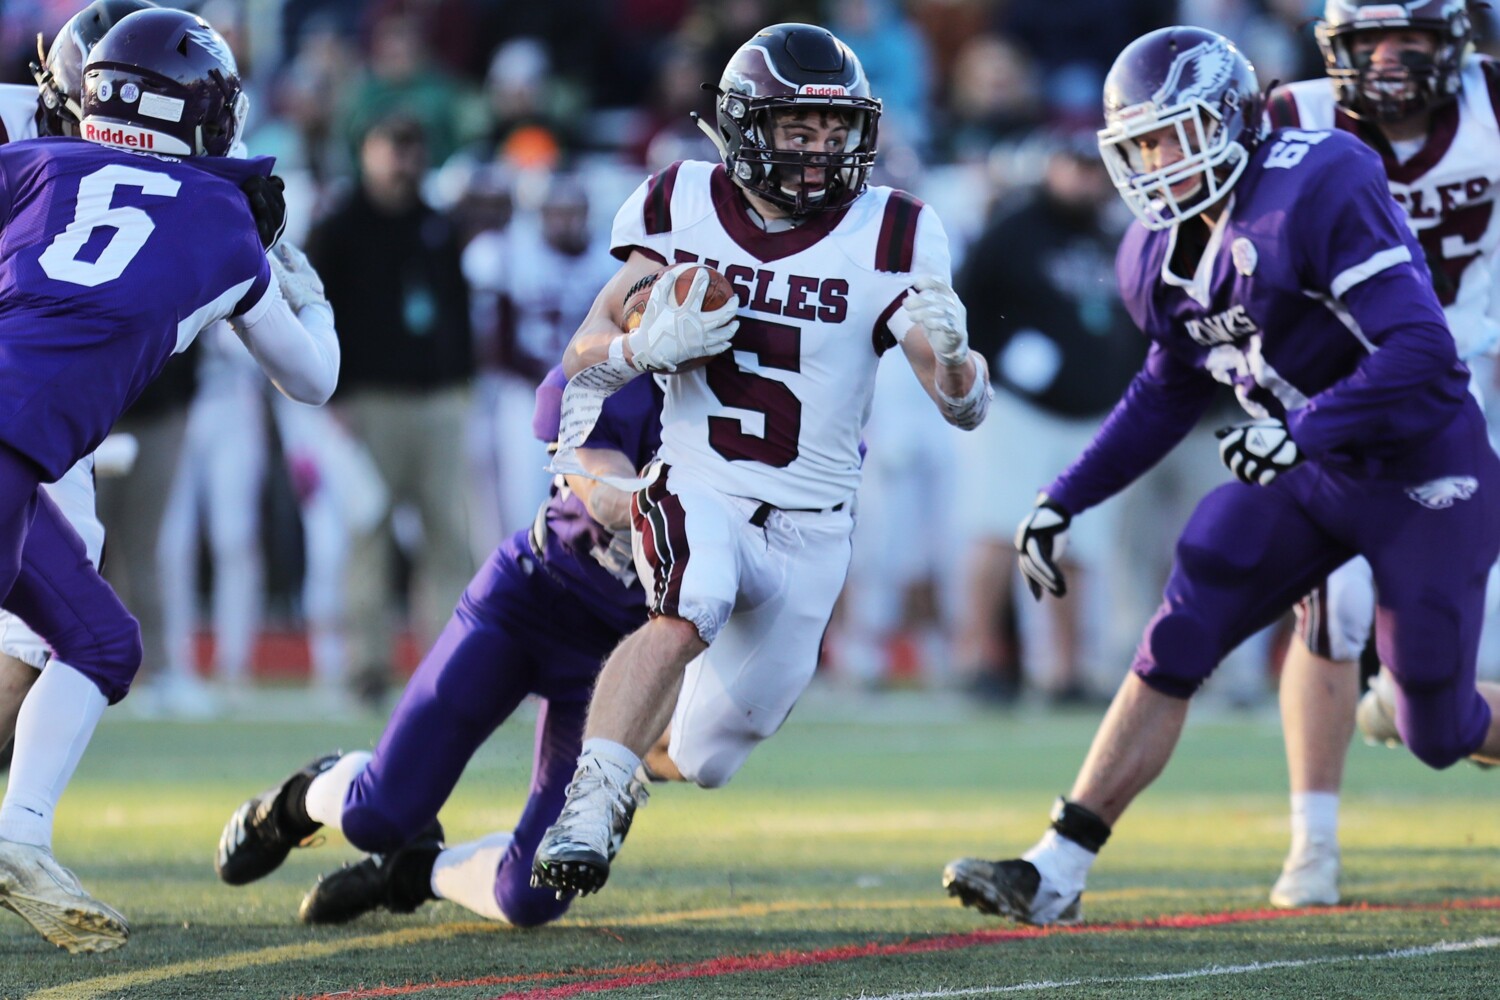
(937, 348)
(290, 331)
(604, 323)
(1359, 251)
(605, 504)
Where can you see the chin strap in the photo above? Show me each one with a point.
(713, 135)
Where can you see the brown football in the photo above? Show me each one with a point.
(719, 292)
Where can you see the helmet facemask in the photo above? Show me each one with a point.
(1383, 94)
(777, 175)
(1210, 156)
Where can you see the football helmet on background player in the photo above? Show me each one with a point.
(163, 81)
(1423, 82)
(1198, 83)
(794, 66)
(59, 70)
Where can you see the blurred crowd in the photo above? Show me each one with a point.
(453, 167)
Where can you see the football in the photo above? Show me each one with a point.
(719, 292)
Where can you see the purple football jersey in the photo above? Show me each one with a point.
(1312, 300)
(110, 261)
(630, 423)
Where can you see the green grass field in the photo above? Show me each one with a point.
(816, 874)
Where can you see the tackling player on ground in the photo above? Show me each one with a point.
(539, 618)
(1279, 264)
(106, 274)
(1406, 81)
(743, 533)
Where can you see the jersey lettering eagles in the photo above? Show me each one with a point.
(778, 416)
(1447, 190)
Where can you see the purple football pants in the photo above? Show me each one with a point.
(1430, 528)
(516, 631)
(48, 582)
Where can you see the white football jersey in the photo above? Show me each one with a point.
(17, 112)
(778, 417)
(1448, 190)
(538, 294)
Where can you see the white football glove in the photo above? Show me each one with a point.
(936, 308)
(672, 333)
(300, 284)
(1257, 451)
(1040, 542)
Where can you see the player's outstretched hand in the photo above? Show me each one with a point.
(1257, 451)
(268, 205)
(672, 333)
(299, 281)
(935, 306)
(1040, 541)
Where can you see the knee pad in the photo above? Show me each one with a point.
(714, 769)
(376, 829)
(1439, 747)
(109, 655)
(1177, 653)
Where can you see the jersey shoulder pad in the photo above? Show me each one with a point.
(671, 199)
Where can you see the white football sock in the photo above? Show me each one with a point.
(54, 726)
(1064, 864)
(324, 801)
(1315, 819)
(465, 874)
(618, 761)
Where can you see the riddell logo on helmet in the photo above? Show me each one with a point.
(119, 135)
(822, 90)
(1382, 12)
(130, 137)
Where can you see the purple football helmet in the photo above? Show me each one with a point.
(1196, 83)
(163, 81)
(794, 66)
(59, 71)
(1422, 83)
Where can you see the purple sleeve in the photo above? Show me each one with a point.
(1163, 403)
(1402, 391)
(1361, 252)
(546, 420)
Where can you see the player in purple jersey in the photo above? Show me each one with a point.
(539, 618)
(104, 273)
(1406, 81)
(1277, 263)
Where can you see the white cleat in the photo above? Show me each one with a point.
(1310, 877)
(48, 897)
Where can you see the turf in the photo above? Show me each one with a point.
(817, 869)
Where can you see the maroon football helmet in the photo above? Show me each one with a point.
(1422, 83)
(1197, 83)
(59, 71)
(794, 66)
(163, 81)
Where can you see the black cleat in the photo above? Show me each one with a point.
(399, 882)
(1010, 889)
(260, 834)
(569, 869)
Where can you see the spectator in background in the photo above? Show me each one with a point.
(529, 108)
(895, 58)
(533, 283)
(1074, 42)
(390, 264)
(402, 78)
(992, 99)
(1040, 289)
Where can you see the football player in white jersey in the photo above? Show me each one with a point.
(525, 280)
(742, 536)
(1406, 80)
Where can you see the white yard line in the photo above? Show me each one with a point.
(1442, 947)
